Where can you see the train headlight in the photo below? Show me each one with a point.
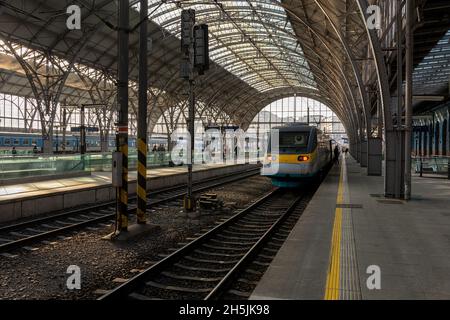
(303, 158)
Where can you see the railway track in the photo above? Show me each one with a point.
(215, 265)
(25, 233)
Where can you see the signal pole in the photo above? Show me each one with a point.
(82, 130)
(122, 98)
(142, 117)
(195, 49)
(187, 72)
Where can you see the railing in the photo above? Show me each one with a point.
(19, 152)
(432, 165)
(22, 166)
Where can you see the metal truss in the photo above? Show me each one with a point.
(261, 51)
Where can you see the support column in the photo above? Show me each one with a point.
(83, 147)
(394, 184)
(353, 150)
(420, 143)
(358, 150)
(391, 141)
(142, 117)
(47, 144)
(364, 146)
(375, 147)
(395, 149)
(103, 143)
(430, 138)
(122, 97)
(374, 157)
(64, 128)
(408, 94)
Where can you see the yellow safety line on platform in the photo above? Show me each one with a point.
(333, 278)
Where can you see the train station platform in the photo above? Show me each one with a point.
(30, 199)
(352, 243)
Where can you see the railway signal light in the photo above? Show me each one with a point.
(201, 57)
(194, 45)
(187, 26)
(194, 48)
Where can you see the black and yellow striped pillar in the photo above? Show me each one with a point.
(142, 181)
(122, 217)
(122, 99)
(142, 116)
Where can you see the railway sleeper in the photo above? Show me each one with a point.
(238, 293)
(224, 248)
(222, 262)
(238, 238)
(249, 229)
(174, 288)
(190, 278)
(218, 254)
(185, 267)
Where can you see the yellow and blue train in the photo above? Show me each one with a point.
(301, 154)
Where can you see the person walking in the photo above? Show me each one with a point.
(336, 154)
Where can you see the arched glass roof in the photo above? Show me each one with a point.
(252, 39)
(433, 73)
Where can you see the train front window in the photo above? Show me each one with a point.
(294, 140)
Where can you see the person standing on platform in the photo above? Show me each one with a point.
(161, 151)
(336, 154)
(14, 151)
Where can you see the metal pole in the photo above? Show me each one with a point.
(295, 107)
(56, 129)
(82, 138)
(189, 201)
(399, 34)
(421, 166)
(64, 126)
(419, 142)
(122, 98)
(82, 131)
(142, 117)
(189, 205)
(257, 140)
(307, 111)
(408, 94)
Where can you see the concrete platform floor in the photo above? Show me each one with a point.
(17, 191)
(352, 243)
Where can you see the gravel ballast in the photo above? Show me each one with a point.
(42, 273)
